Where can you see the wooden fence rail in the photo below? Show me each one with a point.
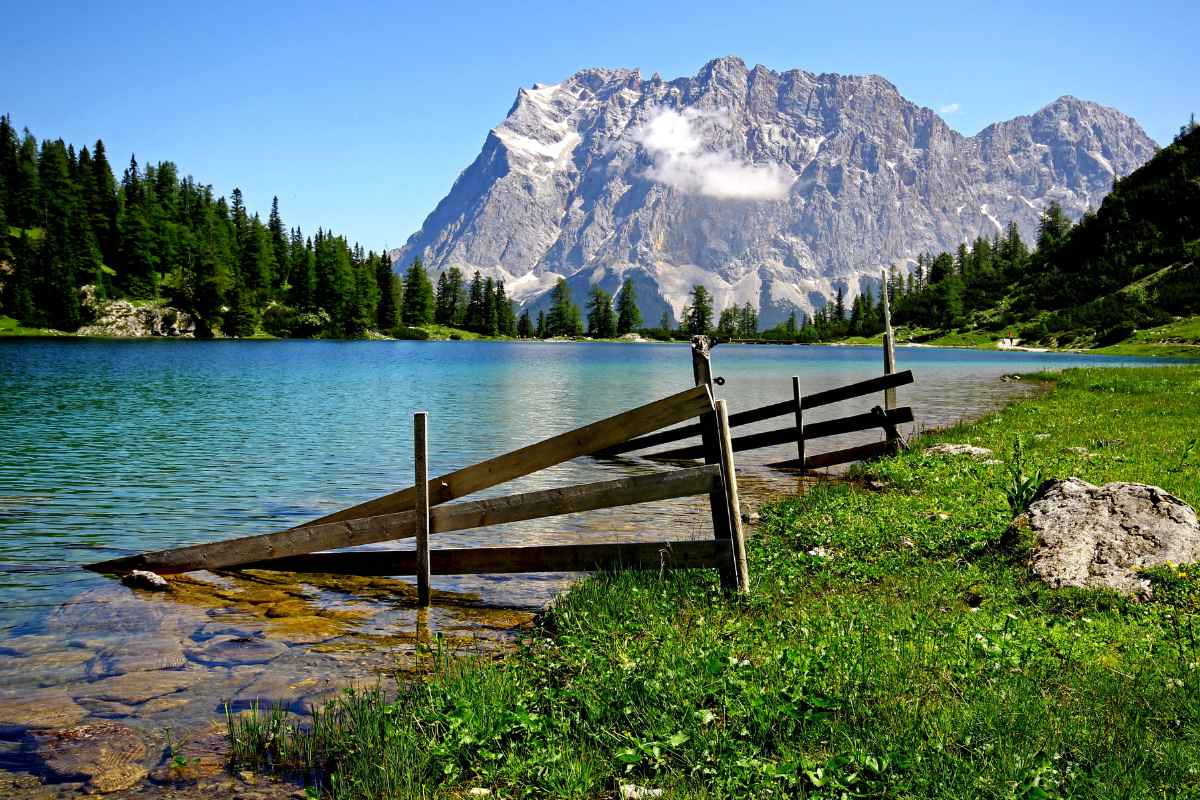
(763, 413)
(816, 430)
(411, 512)
(503, 560)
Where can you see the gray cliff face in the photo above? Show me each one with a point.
(769, 188)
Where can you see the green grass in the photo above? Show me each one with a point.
(1180, 338)
(893, 645)
(11, 327)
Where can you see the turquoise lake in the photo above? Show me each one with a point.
(113, 447)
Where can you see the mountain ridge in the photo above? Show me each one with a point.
(774, 188)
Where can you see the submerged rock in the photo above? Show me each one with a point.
(106, 755)
(40, 708)
(137, 687)
(1100, 537)
(201, 754)
(237, 650)
(139, 655)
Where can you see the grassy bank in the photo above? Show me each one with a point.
(11, 327)
(893, 645)
(1178, 339)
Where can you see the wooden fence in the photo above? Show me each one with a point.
(798, 433)
(424, 509)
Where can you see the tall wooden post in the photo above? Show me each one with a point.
(729, 479)
(421, 483)
(799, 420)
(889, 360)
(889, 345)
(710, 437)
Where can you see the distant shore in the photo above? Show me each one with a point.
(1153, 343)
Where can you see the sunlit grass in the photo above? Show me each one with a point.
(893, 645)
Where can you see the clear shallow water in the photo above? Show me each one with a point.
(110, 447)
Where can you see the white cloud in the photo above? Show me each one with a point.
(675, 142)
(950, 108)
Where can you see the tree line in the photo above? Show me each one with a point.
(66, 222)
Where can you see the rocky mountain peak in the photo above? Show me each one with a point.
(769, 188)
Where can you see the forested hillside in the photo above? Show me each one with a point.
(1132, 264)
(67, 222)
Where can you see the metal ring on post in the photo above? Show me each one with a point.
(719, 381)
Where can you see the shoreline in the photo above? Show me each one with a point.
(865, 598)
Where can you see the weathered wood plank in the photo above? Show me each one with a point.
(442, 519)
(798, 402)
(862, 452)
(536, 457)
(505, 560)
(869, 386)
(762, 413)
(421, 512)
(889, 348)
(858, 422)
(815, 430)
(710, 441)
(733, 504)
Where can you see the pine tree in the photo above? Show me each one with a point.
(747, 325)
(279, 248)
(387, 315)
(564, 318)
(524, 326)
(629, 317)
(474, 316)
(104, 205)
(698, 317)
(727, 323)
(542, 329)
(303, 279)
(491, 316)
(440, 297)
(138, 276)
(418, 296)
(506, 319)
(601, 323)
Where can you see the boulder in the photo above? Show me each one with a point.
(1100, 537)
(122, 318)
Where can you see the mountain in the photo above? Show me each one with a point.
(769, 188)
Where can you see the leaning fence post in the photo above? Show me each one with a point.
(796, 398)
(889, 360)
(711, 439)
(889, 345)
(421, 483)
(729, 479)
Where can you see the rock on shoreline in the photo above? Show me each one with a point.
(121, 318)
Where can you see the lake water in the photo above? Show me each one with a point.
(109, 448)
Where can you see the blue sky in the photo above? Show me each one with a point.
(360, 115)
